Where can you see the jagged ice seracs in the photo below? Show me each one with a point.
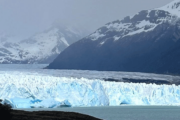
(25, 90)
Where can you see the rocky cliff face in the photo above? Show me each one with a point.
(149, 41)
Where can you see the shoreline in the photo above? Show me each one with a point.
(93, 107)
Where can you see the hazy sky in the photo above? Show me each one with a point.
(27, 17)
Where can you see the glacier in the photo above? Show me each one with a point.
(49, 89)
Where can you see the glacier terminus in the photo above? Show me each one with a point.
(42, 88)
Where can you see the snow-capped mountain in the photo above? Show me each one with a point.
(173, 7)
(40, 48)
(8, 47)
(149, 41)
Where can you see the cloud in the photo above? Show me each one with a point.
(26, 17)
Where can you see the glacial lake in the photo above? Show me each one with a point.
(125, 112)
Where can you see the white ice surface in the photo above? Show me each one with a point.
(24, 88)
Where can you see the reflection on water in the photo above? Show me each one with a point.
(126, 112)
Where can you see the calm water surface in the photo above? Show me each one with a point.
(126, 112)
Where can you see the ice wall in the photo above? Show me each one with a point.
(27, 91)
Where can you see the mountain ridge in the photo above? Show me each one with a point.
(41, 48)
(139, 43)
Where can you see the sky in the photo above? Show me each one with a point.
(24, 18)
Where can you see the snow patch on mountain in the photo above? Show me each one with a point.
(96, 35)
(141, 27)
(116, 38)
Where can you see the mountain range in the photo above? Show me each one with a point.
(43, 47)
(148, 41)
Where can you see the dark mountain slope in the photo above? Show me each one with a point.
(147, 42)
